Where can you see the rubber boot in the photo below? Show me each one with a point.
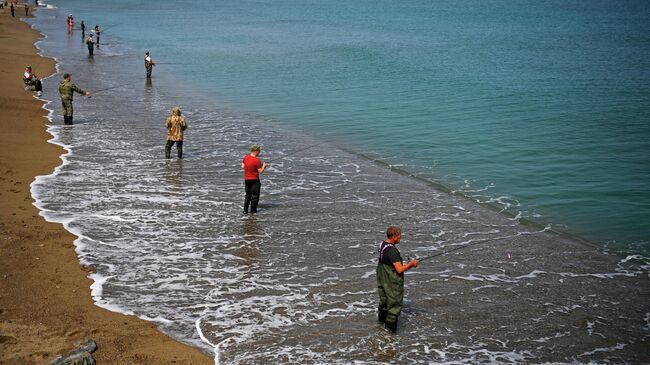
(391, 326)
(381, 316)
(247, 203)
(70, 120)
(168, 152)
(180, 151)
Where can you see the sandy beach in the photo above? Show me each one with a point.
(45, 302)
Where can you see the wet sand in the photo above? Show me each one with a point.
(45, 302)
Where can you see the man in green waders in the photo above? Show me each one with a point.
(66, 90)
(91, 45)
(390, 279)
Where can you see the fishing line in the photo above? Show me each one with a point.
(296, 151)
(112, 87)
(478, 243)
(459, 248)
(105, 29)
(38, 64)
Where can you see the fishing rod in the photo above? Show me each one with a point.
(112, 87)
(458, 248)
(38, 64)
(295, 152)
(107, 28)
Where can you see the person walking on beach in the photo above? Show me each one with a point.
(390, 279)
(26, 10)
(90, 44)
(67, 90)
(12, 9)
(176, 126)
(148, 64)
(252, 167)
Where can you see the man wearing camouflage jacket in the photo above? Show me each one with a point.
(66, 90)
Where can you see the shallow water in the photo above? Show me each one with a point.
(295, 283)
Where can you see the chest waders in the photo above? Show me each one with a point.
(149, 67)
(390, 287)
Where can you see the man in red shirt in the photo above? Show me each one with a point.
(252, 167)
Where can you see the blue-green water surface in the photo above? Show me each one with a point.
(541, 107)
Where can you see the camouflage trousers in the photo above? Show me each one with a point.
(67, 107)
(149, 69)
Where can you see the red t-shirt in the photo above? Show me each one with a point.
(251, 164)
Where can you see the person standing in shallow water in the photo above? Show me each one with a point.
(252, 167)
(148, 64)
(83, 29)
(176, 127)
(98, 32)
(91, 45)
(67, 90)
(390, 279)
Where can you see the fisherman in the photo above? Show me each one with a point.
(32, 82)
(176, 125)
(90, 44)
(83, 29)
(148, 64)
(67, 89)
(97, 31)
(28, 76)
(390, 279)
(252, 167)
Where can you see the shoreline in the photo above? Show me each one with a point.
(514, 248)
(494, 207)
(45, 301)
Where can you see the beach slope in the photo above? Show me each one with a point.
(45, 302)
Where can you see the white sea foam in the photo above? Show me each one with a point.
(617, 347)
(215, 348)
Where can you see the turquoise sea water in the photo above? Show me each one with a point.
(541, 107)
